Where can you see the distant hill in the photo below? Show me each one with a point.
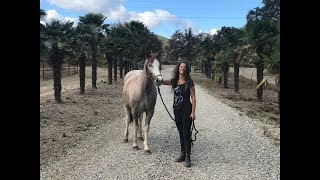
(164, 40)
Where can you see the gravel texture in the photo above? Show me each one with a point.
(228, 146)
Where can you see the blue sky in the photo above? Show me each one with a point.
(163, 17)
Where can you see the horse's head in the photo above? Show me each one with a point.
(152, 67)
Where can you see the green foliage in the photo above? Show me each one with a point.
(182, 45)
(219, 59)
(57, 34)
(273, 62)
(131, 40)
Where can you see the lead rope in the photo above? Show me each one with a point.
(192, 126)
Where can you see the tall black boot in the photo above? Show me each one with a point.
(187, 161)
(181, 157)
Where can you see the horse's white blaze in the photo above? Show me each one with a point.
(155, 71)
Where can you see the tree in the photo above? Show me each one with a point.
(93, 25)
(43, 49)
(80, 47)
(176, 45)
(262, 26)
(226, 40)
(57, 35)
(190, 41)
(237, 52)
(139, 35)
(205, 52)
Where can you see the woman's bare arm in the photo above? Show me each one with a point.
(167, 82)
(193, 99)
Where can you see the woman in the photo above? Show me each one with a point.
(184, 110)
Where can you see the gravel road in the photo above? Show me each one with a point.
(228, 146)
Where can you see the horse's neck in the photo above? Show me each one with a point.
(145, 79)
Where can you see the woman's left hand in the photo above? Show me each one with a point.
(193, 116)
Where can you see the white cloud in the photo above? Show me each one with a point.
(115, 10)
(152, 18)
(53, 14)
(213, 31)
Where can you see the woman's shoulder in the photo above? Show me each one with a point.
(190, 83)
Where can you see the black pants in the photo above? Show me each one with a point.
(183, 123)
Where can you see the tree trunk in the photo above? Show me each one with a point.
(220, 77)
(115, 68)
(212, 75)
(56, 60)
(135, 64)
(121, 67)
(260, 69)
(94, 66)
(82, 72)
(109, 60)
(236, 76)
(225, 69)
(126, 66)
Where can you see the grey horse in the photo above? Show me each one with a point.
(139, 96)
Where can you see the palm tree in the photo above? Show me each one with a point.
(57, 38)
(217, 65)
(190, 42)
(139, 35)
(205, 52)
(261, 35)
(95, 29)
(79, 46)
(262, 26)
(42, 37)
(176, 44)
(226, 40)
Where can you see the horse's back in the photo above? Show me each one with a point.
(131, 75)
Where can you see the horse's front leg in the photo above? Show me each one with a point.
(149, 115)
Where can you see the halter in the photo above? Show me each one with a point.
(156, 76)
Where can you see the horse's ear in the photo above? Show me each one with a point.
(147, 55)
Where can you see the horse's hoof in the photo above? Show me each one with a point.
(135, 148)
(140, 138)
(147, 151)
(125, 140)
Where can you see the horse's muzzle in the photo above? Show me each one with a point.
(158, 80)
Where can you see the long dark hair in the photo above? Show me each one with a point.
(175, 75)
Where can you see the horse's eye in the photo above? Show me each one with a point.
(149, 65)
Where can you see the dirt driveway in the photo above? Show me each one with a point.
(81, 139)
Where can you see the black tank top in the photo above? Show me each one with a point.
(181, 95)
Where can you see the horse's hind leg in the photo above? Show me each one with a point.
(149, 115)
(135, 139)
(140, 138)
(129, 116)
